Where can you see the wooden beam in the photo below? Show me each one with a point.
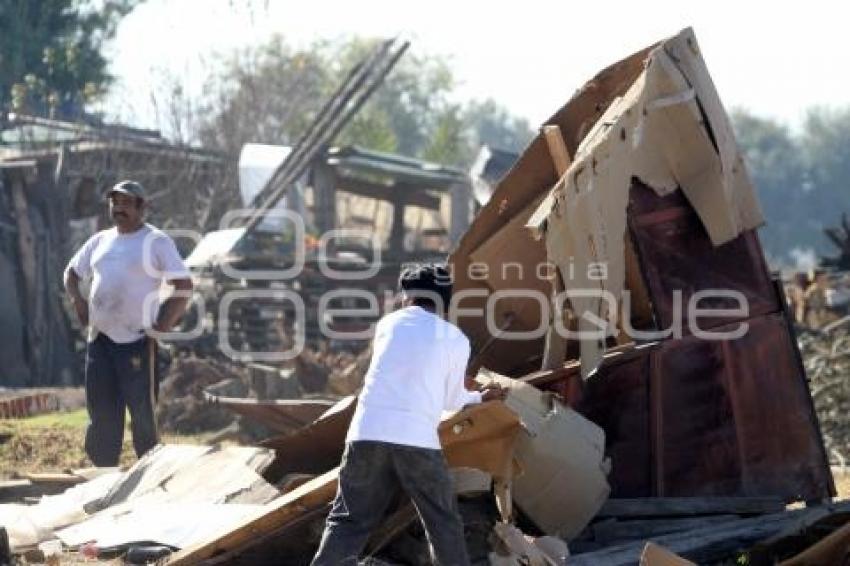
(614, 531)
(561, 160)
(286, 509)
(706, 545)
(557, 148)
(689, 506)
(16, 491)
(555, 348)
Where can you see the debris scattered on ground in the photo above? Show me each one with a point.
(826, 355)
(157, 501)
(532, 474)
(192, 385)
(182, 407)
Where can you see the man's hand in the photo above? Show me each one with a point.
(493, 392)
(82, 308)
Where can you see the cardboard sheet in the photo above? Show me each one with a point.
(655, 116)
(670, 131)
(562, 483)
(172, 524)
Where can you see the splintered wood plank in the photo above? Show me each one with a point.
(286, 509)
(557, 148)
(54, 478)
(561, 160)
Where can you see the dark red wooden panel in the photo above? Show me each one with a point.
(676, 255)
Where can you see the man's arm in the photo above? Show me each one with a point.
(174, 307)
(462, 390)
(72, 286)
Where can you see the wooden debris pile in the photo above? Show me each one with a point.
(826, 355)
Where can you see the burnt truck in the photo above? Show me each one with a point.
(322, 265)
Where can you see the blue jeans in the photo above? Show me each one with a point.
(371, 477)
(119, 377)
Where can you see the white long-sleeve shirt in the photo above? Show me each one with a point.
(417, 372)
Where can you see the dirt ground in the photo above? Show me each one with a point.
(54, 443)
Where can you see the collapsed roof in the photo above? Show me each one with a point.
(654, 117)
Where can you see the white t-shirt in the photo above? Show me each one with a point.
(417, 372)
(127, 271)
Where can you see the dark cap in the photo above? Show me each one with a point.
(131, 188)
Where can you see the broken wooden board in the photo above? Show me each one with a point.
(314, 494)
(18, 490)
(612, 531)
(689, 506)
(832, 549)
(56, 478)
(481, 436)
(703, 545)
(315, 448)
(279, 415)
(530, 180)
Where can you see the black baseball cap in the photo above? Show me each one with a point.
(131, 188)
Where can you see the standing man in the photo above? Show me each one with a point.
(126, 265)
(417, 371)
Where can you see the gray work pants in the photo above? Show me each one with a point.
(119, 377)
(371, 477)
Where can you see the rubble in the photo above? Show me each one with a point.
(602, 443)
(159, 499)
(199, 395)
(826, 353)
(182, 407)
(667, 396)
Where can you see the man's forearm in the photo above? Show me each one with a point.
(170, 312)
(72, 285)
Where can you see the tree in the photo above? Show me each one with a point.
(802, 178)
(267, 94)
(271, 93)
(493, 125)
(51, 53)
(825, 145)
(449, 144)
(778, 171)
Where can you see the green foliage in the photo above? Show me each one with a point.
(493, 125)
(51, 53)
(825, 145)
(271, 93)
(801, 177)
(449, 143)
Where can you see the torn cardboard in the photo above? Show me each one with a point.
(655, 117)
(563, 482)
(670, 131)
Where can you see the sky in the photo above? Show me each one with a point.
(775, 59)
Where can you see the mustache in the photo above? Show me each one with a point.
(124, 214)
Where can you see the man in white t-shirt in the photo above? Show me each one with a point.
(126, 266)
(417, 371)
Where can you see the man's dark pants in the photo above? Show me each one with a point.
(119, 377)
(371, 477)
